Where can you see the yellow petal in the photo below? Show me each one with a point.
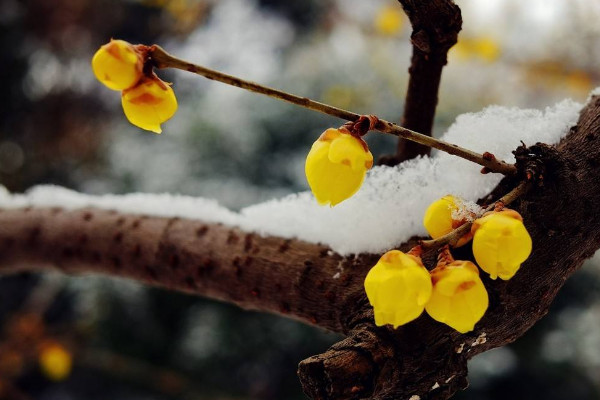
(501, 244)
(336, 167)
(117, 65)
(149, 104)
(347, 149)
(459, 298)
(398, 287)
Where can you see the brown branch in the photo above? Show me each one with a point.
(435, 24)
(162, 59)
(304, 281)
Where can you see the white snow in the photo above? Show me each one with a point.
(384, 213)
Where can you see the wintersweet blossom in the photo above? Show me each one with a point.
(336, 166)
(459, 298)
(149, 103)
(117, 65)
(398, 287)
(501, 243)
(441, 218)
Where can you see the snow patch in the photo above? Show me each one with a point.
(387, 210)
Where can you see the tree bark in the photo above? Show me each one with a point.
(435, 24)
(308, 282)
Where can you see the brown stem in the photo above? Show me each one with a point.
(453, 237)
(435, 24)
(162, 59)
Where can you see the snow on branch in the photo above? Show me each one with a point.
(386, 212)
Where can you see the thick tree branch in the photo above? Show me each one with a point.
(435, 24)
(421, 360)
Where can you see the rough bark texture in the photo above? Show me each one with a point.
(310, 283)
(435, 24)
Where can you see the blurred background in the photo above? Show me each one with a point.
(97, 338)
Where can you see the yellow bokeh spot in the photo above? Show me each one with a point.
(487, 49)
(336, 166)
(389, 20)
(501, 243)
(459, 298)
(149, 104)
(117, 65)
(484, 48)
(55, 361)
(398, 287)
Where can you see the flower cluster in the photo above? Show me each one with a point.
(147, 101)
(399, 287)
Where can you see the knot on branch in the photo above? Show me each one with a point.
(361, 126)
(376, 362)
(435, 24)
(535, 162)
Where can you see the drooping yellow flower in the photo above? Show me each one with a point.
(336, 166)
(398, 287)
(148, 104)
(55, 361)
(389, 20)
(117, 65)
(501, 243)
(443, 216)
(459, 298)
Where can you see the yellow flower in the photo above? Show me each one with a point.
(117, 65)
(459, 298)
(441, 218)
(55, 361)
(336, 166)
(398, 287)
(501, 243)
(148, 104)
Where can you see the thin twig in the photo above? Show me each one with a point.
(453, 237)
(162, 59)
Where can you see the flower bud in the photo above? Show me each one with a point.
(445, 215)
(149, 103)
(398, 287)
(336, 166)
(117, 65)
(501, 243)
(459, 298)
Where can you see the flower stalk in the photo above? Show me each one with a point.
(161, 59)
